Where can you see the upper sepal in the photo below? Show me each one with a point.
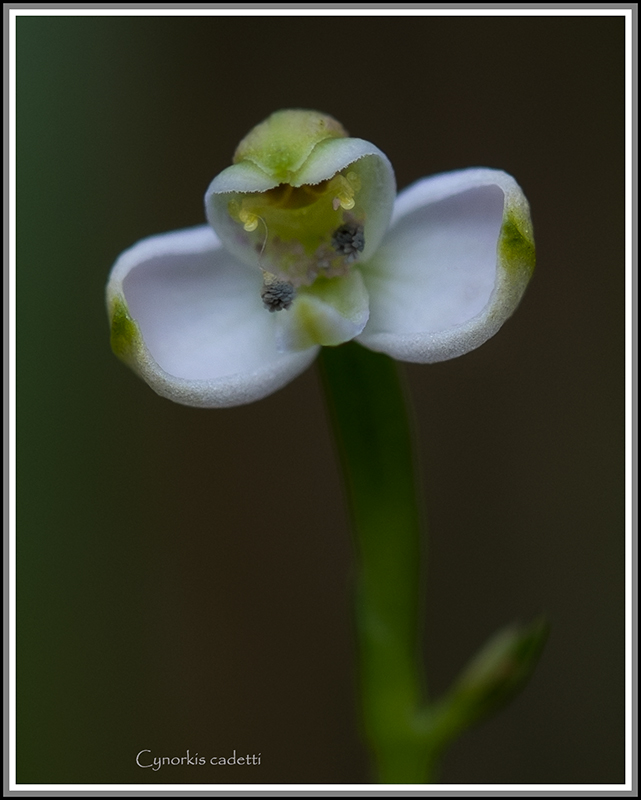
(279, 206)
(281, 144)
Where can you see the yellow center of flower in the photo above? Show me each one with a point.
(303, 232)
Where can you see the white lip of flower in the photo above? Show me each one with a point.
(300, 226)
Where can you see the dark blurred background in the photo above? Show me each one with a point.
(184, 575)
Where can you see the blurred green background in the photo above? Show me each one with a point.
(183, 575)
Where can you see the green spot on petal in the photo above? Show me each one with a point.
(516, 242)
(125, 335)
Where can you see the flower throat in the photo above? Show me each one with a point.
(303, 232)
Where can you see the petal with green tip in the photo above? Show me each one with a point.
(452, 268)
(188, 318)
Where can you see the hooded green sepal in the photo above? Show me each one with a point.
(125, 334)
(494, 676)
(284, 141)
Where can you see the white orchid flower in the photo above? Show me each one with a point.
(307, 245)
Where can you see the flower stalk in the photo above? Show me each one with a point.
(406, 733)
(367, 405)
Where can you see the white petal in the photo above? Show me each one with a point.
(452, 268)
(189, 319)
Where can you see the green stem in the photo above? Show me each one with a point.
(368, 408)
(369, 411)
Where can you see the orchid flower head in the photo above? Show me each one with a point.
(307, 245)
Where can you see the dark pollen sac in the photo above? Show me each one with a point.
(277, 295)
(349, 240)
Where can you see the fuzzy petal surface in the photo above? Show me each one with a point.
(451, 269)
(188, 318)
